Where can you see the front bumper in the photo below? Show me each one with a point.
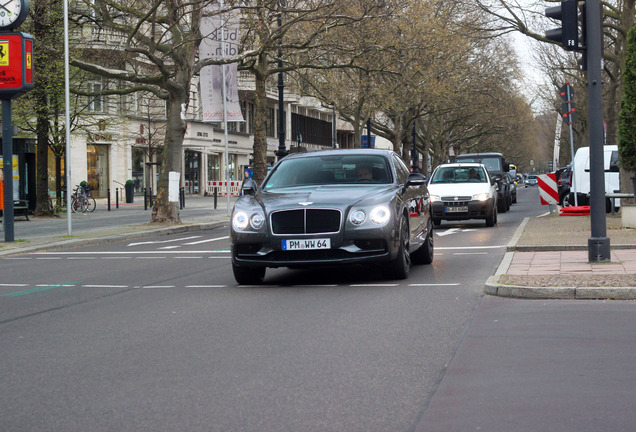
(357, 246)
(475, 210)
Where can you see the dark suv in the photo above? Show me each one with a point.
(497, 167)
(564, 180)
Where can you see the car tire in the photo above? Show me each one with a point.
(501, 205)
(514, 199)
(437, 222)
(491, 219)
(248, 275)
(399, 268)
(424, 254)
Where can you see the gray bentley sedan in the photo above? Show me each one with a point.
(333, 207)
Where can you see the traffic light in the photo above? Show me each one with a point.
(568, 34)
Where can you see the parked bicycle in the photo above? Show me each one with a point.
(82, 201)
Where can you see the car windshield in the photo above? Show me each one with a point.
(459, 175)
(333, 169)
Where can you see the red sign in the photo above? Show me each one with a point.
(548, 190)
(16, 64)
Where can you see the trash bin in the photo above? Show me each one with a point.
(130, 191)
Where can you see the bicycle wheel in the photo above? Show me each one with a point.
(90, 204)
(77, 205)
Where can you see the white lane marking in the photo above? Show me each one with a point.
(469, 247)
(18, 258)
(151, 257)
(169, 247)
(208, 240)
(224, 251)
(163, 241)
(48, 258)
(157, 286)
(104, 286)
(447, 232)
(206, 286)
(470, 253)
(81, 258)
(373, 285)
(13, 285)
(433, 284)
(188, 257)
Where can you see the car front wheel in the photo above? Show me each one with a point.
(248, 275)
(400, 266)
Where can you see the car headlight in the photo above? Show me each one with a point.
(241, 220)
(380, 215)
(257, 220)
(435, 198)
(480, 197)
(357, 217)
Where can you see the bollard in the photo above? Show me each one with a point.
(145, 199)
(182, 197)
(181, 192)
(150, 197)
(108, 198)
(116, 197)
(215, 198)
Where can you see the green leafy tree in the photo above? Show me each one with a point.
(627, 114)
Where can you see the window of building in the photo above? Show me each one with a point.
(95, 103)
(214, 167)
(270, 123)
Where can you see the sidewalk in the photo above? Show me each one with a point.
(127, 221)
(548, 258)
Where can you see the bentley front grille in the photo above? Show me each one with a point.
(305, 221)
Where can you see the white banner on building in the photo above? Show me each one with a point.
(173, 186)
(211, 77)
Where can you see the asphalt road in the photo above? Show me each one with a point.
(155, 335)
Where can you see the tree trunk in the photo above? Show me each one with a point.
(42, 206)
(260, 133)
(164, 211)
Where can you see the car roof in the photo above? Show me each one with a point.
(478, 155)
(461, 164)
(337, 152)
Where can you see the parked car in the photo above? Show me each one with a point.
(513, 188)
(461, 191)
(316, 209)
(497, 167)
(531, 180)
(564, 180)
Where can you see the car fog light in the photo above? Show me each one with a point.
(357, 217)
(380, 215)
(240, 221)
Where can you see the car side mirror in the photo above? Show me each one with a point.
(415, 179)
(493, 181)
(249, 187)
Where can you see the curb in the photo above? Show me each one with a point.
(494, 288)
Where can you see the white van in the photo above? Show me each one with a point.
(582, 175)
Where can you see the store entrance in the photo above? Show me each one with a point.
(192, 171)
(97, 169)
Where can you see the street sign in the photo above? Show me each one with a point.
(548, 189)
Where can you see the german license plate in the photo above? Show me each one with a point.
(460, 209)
(307, 244)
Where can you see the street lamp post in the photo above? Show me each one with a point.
(282, 151)
(415, 166)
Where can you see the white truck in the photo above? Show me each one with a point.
(581, 175)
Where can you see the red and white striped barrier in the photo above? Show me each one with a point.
(221, 188)
(548, 189)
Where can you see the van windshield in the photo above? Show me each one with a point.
(492, 164)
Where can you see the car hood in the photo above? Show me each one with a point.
(458, 189)
(334, 196)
